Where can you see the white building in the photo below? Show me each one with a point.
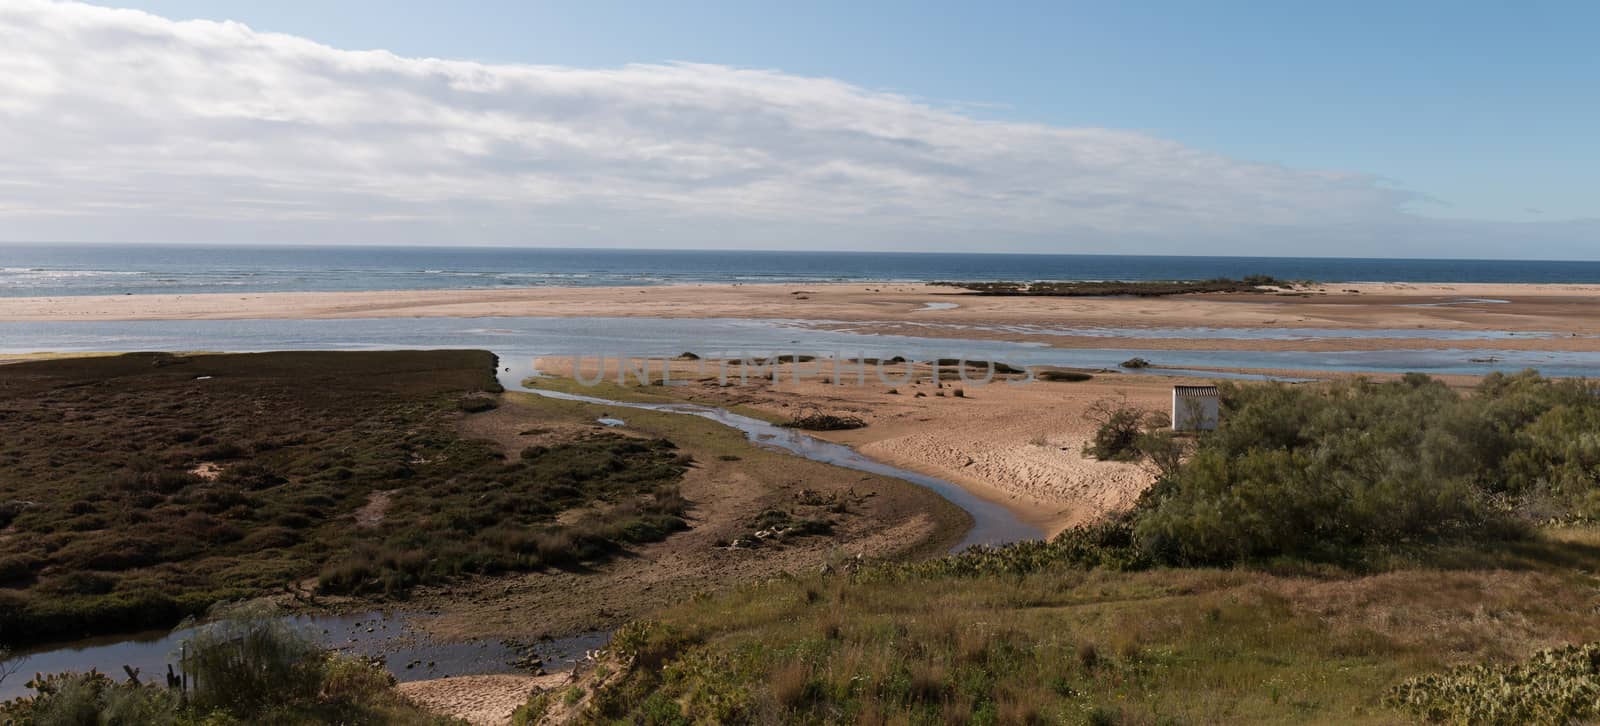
(1195, 408)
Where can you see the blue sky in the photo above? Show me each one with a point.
(1491, 108)
(1422, 129)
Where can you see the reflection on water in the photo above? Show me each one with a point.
(529, 337)
(408, 652)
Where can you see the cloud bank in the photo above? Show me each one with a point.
(121, 125)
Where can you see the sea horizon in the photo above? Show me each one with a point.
(28, 269)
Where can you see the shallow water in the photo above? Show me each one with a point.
(519, 340)
(391, 635)
(528, 337)
(991, 523)
(411, 655)
(1462, 301)
(1265, 332)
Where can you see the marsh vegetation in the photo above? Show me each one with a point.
(138, 489)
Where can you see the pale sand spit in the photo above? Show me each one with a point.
(478, 700)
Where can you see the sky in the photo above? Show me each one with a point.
(1416, 129)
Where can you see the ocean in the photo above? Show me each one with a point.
(60, 269)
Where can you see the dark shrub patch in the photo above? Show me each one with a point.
(111, 487)
(81, 582)
(250, 475)
(508, 509)
(18, 568)
(271, 537)
(477, 404)
(812, 419)
(1146, 288)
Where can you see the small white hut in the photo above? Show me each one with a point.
(1195, 408)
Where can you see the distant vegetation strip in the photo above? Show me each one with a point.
(1106, 288)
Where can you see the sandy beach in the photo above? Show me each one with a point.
(1559, 317)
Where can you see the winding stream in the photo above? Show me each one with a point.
(519, 340)
(991, 523)
(411, 655)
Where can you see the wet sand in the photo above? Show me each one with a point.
(1017, 445)
(729, 486)
(1563, 316)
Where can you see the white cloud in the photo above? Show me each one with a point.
(117, 124)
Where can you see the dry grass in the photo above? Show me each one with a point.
(1161, 646)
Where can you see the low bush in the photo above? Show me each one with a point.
(477, 404)
(500, 518)
(247, 658)
(812, 419)
(246, 664)
(1324, 472)
(16, 568)
(1119, 428)
(1555, 686)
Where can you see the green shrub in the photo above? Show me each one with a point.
(1555, 686)
(1118, 428)
(247, 658)
(79, 583)
(1325, 472)
(92, 698)
(246, 666)
(501, 517)
(533, 711)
